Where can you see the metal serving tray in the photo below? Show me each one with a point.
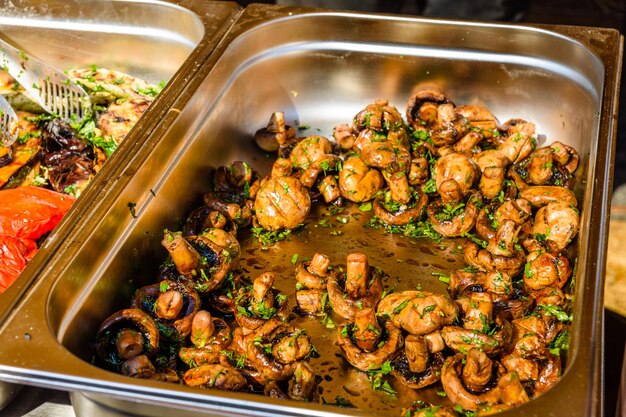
(154, 40)
(320, 69)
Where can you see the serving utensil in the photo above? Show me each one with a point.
(54, 91)
(8, 120)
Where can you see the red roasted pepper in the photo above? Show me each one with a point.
(26, 214)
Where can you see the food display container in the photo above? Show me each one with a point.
(320, 68)
(153, 40)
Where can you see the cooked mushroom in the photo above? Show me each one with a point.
(281, 203)
(360, 287)
(387, 156)
(542, 195)
(457, 167)
(565, 156)
(239, 213)
(329, 187)
(235, 183)
(456, 391)
(344, 136)
(418, 312)
(170, 304)
(276, 135)
(312, 280)
(302, 385)
(549, 375)
(518, 142)
(391, 340)
(462, 340)
(204, 218)
(415, 366)
(215, 376)
(366, 330)
(273, 338)
(485, 261)
(312, 156)
(540, 166)
(379, 116)
(492, 165)
(357, 182)
(209, 336)
(546, 270)
(396, 214)
(555, 226)
(453, 219)
(433, 111)
(255, 306)
(480, 118)
(478, 309)
(198, 259)
(467, 145)
(418, 171)
(138, 367)
(477, 371)
(124, 335)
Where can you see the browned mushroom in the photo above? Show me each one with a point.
(344, 136)
(215, 375)
(432, 110)
(360, 287)
(394, 213)
(235, 183)
(540, 166)
(518, 142)
(276, 135)
(257, 305)
(358, 182)
(124, 335)
(418, 171)
(492, 165)
(209, 336)
(453, 219)
(542, 195)
(485, 261)
(416, 366)
(170, 304)
(549, 375)
(238, 213)
(312, 156)
(387, 156)
(418, 312)
(138, 367)
(275, 349)
(391, 340)
(302, 385)
(329, 187)
(555, 226)
(565, 156)
(546, 270)
(379, 116)
(312, 280)
(462, 340)
(480, 118)
(281, 203)
(457, 167)
(478, 309)
(456, 390)
(198, 259)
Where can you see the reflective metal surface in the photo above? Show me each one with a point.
(320, 69)
(154, 40)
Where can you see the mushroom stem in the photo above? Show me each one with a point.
(367, 332)
(262, 292)
(281, 168)
(184, 256)
(399, 187)
(416, 349)
(319, 264)
(129, 343)
(357, 275)
(329, 189)
(202, 328)
(477, 371)
(169, 304)
(450, 191)
(479, 312)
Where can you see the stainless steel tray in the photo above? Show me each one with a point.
(154, 40)
(320, 77)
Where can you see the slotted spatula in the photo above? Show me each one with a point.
(54, 91)
(8, 120)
